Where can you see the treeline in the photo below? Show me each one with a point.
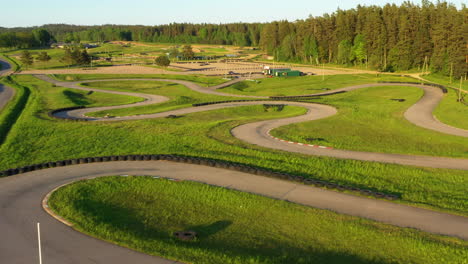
(409, 36)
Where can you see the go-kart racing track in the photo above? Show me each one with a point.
(21, 195)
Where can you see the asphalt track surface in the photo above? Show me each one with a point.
(6, 93)
(258, 133)
(21, 195)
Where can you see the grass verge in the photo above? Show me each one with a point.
(369, 120)
(450, 111)
(199, 79)
(180, 96)
(36, 138)
(306, 84)
(235, 227)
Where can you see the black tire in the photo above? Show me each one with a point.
(391, 197)
(319, 183)
(309, 181)
(365, 192)
(341, 188)
(83, 161)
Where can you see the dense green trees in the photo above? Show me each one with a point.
(390, 37)
(162, 61)
(74, 55)
(26, 58)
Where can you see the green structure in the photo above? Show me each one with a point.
(288, 73)
(283, 72)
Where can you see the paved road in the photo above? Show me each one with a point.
(20, 198)
(257, 133)
(6, 93)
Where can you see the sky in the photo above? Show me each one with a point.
(16, 13)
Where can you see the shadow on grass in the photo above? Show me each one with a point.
(15, 111)
(76, 98)
(244, 245)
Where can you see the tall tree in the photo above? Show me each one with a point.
(43, 57)
(187, 52)
(26, 58)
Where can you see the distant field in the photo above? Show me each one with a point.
(235, 227)
(36, 138)
(368, 120)
(121, 53)
(306, 84)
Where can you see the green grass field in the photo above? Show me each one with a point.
(368, 120)
(181, 96)
(137, 52)
(450, 111)
(235, 227)
(201, 80)
(306, 84)
(36, 138)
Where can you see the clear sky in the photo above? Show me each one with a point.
(154, 12)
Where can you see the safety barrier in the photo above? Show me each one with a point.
(53, 112)
(443, 88)
(304, 96)
(224, 102)
(205, 162)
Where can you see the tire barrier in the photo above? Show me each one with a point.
(303, 96)
(224, 102)
(205, 162)
(441, 87)
(53, 112)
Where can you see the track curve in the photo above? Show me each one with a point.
(258, 133)
(20, 198)
(6, 92)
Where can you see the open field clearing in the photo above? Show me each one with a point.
(180, 96)
(198, 79)
(36, 138)
(450, 111)
(235, 227)
(306, 84)
(369, 120)
(124, 52)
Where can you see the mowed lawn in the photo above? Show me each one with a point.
(235, 227)
(180, 96)
(201, 80)
(369, 120)
(306, 84)
(450, 111)
(36, 138)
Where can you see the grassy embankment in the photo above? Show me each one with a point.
(36, 138)
(141, 53)
(181, 96)
(450, 111)
(306, 84)
(201, 80)
(368, 120)
(235, 227)
(366, 117)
